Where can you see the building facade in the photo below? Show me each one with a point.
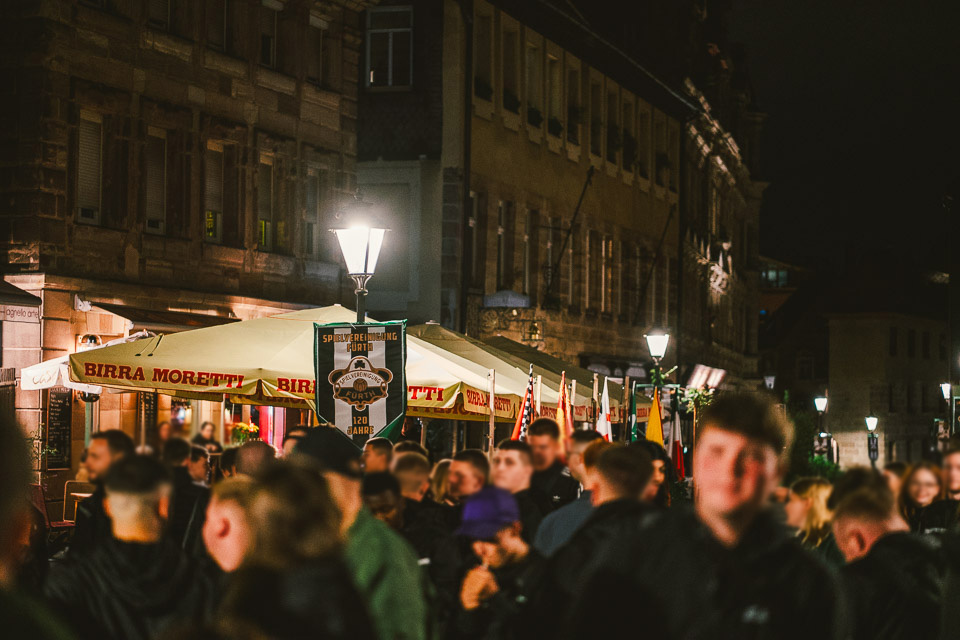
(171, 163)
(574, 200)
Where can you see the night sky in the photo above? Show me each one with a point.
(862, 142)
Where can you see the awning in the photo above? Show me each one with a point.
(10, 294)
(163, 321)
(56, 372)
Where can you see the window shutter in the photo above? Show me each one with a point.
(88, 171)
(156, 183)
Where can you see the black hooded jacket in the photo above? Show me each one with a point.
(672, 574)
(556, 483)
(129, 591)
(894, 592)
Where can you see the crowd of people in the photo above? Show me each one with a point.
(593, 539)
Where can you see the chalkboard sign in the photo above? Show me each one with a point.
(59, 428)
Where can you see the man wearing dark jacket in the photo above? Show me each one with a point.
(188, 503)
(893, 579)
(93, 526)
(137, 584)
(726, 569)
(550, 476)
(512, 469)
(495, 594)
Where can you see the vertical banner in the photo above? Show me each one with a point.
(361, 385)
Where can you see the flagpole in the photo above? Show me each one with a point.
(573, 404)
(539, 386)
(624, 409)
(492, 433)
(596, 390)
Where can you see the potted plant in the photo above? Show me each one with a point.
(534, 116)
(554, 126)
(510, 101)
(482, 89)
(243, 432)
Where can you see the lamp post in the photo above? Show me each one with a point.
(873, 447)
(947, 389)
(820, 402)
(657, 344)
(360, 245)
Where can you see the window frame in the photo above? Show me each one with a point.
(270, 244)
(367, 40)
(91, 117)
(148, 213)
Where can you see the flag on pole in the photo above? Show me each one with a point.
(525, 417)
(564, 413)
(604, 427)
(678, 449)
(655, 423)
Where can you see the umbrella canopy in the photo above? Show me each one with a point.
(270, 361)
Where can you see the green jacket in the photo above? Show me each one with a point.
(386, 573)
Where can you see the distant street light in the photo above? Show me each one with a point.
(820, 402)
(657, 344)
(945, 390)
(873, 447)
(360, 244)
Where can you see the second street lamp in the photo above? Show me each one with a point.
(657, 345)
(820, 403)
(873, 447)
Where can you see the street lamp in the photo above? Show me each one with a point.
(947, 389)
(820, 402)
(873, 447)
(360, 244)
(657, 345)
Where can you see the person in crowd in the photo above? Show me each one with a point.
(617, 484)
(227, 534)
(189, 500)
(205, 438)
(409, 446)
(770, 585)
(893, 473)
(893, 579)
(164, 433)
(808, 514)
(941, 515)
(292, 582)
(922, 486)
(255, 457)
(494, 594)
(550, 477)
(468, 474)
(412, 471)
(198, 466)
(92, 526)
(20, 615)
(137, 584)
(557, 528)
(377, 454)
(512, 470)
(383, 566)
(440, 483)
(228, 462)
(381, 495)
(657, 491)
(291, 438)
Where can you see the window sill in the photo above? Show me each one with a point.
(554, 143)
(596, 160)
(222, 253)
(276, 81)
(482, 108)
(535, 134)
(406, 88)
(511, 120)
(167, 44)
(224, 63)
(627, 177)
(643, 182)
(573, 151)
(612, 169)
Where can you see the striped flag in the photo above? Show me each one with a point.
(564, 413)
(526, 416)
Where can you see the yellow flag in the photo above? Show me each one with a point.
(655, 423)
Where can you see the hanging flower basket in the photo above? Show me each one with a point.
(243, 432)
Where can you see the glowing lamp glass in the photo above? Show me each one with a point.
(657, 345)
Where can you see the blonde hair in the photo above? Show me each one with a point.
(439, 482)
(816, 526)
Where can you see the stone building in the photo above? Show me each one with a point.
(169, 164)
(480, 131)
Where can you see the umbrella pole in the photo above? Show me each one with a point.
(493, 426)
(423, 431)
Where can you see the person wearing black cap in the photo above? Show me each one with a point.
(383, 566)
(494, 594)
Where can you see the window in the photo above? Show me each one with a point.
(554, 96)
(606, 274)
(389, 47)
(155, 184)
(613, 128)
(313, 52)
(574, 259)
(505, 244)
(804, 367)
(483, 58)
(661, 159)
(643, 143)
(89, 167)
(925, 345)
(673, 150)
(477, 228)
(217, 24)
(628, 153)
(596, 119)
(574, 108)
(594, 271)
(311, 216)
(893, 341)
(911, 343)
(268, 32)
(158, 13)
(213, 193)
(265, 203)
(534, 85)
(511, 89)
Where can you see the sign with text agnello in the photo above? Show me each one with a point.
(361, 385)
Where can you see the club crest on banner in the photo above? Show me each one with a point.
(360, 383)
